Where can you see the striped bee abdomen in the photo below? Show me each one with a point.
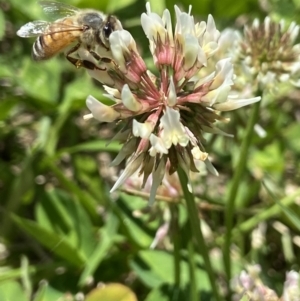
(57, 37)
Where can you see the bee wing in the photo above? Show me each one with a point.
(38, 28)
(33, 29)
(58, 9)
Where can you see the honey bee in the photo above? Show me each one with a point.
(89, 28)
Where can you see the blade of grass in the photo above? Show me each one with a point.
(262, 216)
(88, 202)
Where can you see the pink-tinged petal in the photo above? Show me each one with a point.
(235, 104)
(129, 100)
(101, 112)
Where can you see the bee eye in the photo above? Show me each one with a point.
(107, 30)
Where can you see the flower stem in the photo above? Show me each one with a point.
(192, 268)
(176, 243)
(233, 189)
(197, 233)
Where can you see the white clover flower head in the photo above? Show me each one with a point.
(165, 114)
(249, 284)
(267, 53)
(291, 288)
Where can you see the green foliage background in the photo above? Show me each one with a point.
(58, 222)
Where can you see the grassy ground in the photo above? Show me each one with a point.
(63, 236)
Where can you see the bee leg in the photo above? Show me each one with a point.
(89, 65)
(99, 58)
(76, 62)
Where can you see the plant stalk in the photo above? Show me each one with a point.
(192, 268)
(176, 243)
(197, 233)
(233, 189)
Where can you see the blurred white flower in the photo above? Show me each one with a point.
(291, 288)
(266, 54)
(248, 283)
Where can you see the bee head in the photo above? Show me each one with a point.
(110, 24)
(92, 20)
(98, 27)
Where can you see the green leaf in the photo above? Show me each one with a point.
(115, 5)
(12, 291)
(59, 213)
(157, 6)
(25, 276)
(7, 273)
(85, 198)
(111, 292)
(54, 242)
(2, 24)
(92, 146)
(292, 217)
(291, 135)
(21, 185)
(158, 293)
(40, 294)
(32, 10)
(43, 133)
(48, 293)
(268, 160)
(106, 241)
(156, 268)
(36, 79)
(6, 106)
(138, 229)
(99, 5)
(170, 292)
(80, 88)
